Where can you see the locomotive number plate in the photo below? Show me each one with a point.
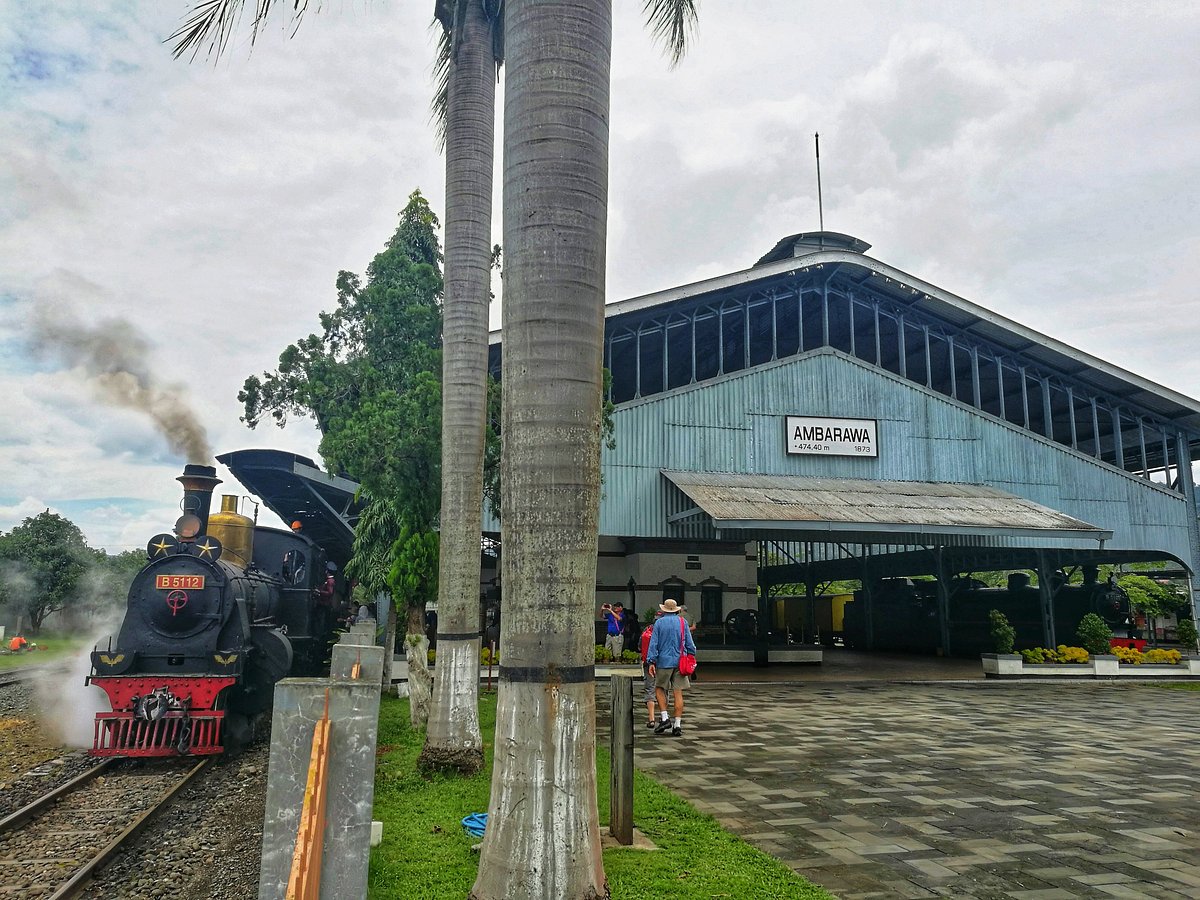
(179, 582)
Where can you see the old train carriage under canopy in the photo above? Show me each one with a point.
(824, 416)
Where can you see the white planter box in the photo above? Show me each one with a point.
(1001, 664)
(997, 665)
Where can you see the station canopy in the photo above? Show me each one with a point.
(296, 490)
(872, 511)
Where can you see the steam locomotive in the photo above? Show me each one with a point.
(905, 613)
(222, 610)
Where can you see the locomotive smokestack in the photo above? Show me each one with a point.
(198, 483)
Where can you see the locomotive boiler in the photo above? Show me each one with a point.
(221, 611)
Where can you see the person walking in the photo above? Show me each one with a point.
(668, 641)
(614, 641)
(648, 678)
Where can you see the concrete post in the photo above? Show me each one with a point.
(620, 794)
(346, 655)
(354, 714)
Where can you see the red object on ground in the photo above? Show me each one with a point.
(1135, 643)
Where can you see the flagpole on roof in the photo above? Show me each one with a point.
(820, 201)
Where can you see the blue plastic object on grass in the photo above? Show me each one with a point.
(475, 823)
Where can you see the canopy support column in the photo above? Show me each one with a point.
(943, 589)
(1046, 597)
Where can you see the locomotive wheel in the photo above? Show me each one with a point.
(238, 732)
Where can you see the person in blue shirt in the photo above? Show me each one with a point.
(669, 640)
(614, 641)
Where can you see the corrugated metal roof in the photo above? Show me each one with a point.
(860, 505)
(1006, 333)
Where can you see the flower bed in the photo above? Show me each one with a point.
(1164, 664)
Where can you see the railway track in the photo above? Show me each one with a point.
(50, 848)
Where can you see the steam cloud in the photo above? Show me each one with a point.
(113, 352)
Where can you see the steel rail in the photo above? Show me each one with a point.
(75, 884)
(27, 812)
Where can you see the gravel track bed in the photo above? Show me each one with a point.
(38, 856)
(206, 845)
(31, 761)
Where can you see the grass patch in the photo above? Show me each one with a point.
(426, 854)
(1179, 685)
(49, 649)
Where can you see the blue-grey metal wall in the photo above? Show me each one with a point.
(735, 423)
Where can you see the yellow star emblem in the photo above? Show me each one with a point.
(207, 548)
(161, 547)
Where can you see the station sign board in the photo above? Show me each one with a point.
(832, 437)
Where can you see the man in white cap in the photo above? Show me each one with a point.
(669, 640)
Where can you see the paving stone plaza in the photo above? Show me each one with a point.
(956, 789)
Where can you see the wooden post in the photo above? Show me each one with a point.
(620, 795)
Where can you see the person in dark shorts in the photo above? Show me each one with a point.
(668, 641)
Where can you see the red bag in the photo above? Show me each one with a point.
(687, 661)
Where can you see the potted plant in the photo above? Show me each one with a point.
(1003, 661)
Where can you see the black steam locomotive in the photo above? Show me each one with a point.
(222, 611)
(904, 613)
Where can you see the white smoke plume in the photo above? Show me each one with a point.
(67, 703)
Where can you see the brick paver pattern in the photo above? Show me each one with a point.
(989, 790)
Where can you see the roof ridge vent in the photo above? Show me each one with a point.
(806, 242)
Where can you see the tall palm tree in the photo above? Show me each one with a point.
(543, 835)
(466, 108)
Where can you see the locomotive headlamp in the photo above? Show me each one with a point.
(187, 527)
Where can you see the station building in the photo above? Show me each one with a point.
(825, 417)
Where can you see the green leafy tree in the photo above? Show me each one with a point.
(1151, 598)
(41, 563)
(371, 380)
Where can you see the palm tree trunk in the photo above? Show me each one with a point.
(543, 835)
(453, 739)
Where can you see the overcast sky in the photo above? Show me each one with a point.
(1040, 159)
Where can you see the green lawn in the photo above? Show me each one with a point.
(426, 853)
(49, 648)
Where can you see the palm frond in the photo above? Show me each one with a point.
(448, 16)
(672, 22)
(441, 79)
(212, 22)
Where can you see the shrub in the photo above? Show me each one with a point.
(1167, 657)
(1073, 654)
(1186, 632)
(1003, 634)
(431, 655)
(602, 654)
(1064, 655)
(1038, 655)
(487, 657)
(1131, 655)
(1094, 635)
(631, 656)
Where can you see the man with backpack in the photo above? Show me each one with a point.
(669, 640)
